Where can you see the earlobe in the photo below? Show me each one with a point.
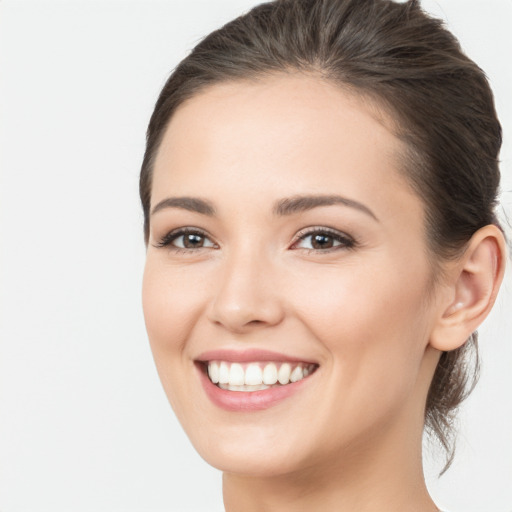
(474, 285)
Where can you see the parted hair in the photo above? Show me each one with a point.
(410, 65)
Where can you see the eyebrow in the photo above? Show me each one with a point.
(298, 204)
(283, 207)
(192, 204)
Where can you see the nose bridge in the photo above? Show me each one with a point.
(245, 296)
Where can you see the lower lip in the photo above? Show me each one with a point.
(247, 401)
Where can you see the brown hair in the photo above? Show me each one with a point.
(412, 66)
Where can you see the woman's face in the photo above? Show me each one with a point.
(283, 236)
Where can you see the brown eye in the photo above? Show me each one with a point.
(186, 239)
(323, 240)
(192, 240)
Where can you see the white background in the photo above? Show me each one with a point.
(84, 424)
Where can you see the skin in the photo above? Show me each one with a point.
(350, 439)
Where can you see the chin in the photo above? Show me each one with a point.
(254, 462)
(250, 449)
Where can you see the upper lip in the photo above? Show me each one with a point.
(248, 355)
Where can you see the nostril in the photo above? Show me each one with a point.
(241, 319)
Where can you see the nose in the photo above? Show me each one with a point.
(246, 296)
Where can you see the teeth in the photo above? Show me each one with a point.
(270, 374)
(253, 375)
(213, 372)
(256, 376)
(243, 388)
(296, 374)
(223, 373)
(283, 375)
(236, 375)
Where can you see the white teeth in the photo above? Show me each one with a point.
(245, 387)
(256, 376)
(253, 375)
(283, 376)
(236, 375)
(270, 374)
(213, 372)
(296, 374)
(223, 373)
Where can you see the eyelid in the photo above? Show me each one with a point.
(171, 236)
(347, 241)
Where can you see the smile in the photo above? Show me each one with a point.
(256, 376)
(252, 379)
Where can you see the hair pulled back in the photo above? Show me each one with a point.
(440, 102)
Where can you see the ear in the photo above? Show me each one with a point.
(473, 285)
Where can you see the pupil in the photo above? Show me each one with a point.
(322, 241)
(192, 240)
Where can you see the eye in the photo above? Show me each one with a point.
(186, 239)
(323, 240)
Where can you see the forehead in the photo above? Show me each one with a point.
(284, 133)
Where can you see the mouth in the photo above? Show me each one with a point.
(252, 379)
(255, 376)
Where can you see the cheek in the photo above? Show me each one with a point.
(374, 326)
(172, 303)
(370, 318)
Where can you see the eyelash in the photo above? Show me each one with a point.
(168, 239)
(345, 241)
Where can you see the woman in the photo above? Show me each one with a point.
(319, 188)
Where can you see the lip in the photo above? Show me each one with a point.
(249, 355)
(240, 401)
